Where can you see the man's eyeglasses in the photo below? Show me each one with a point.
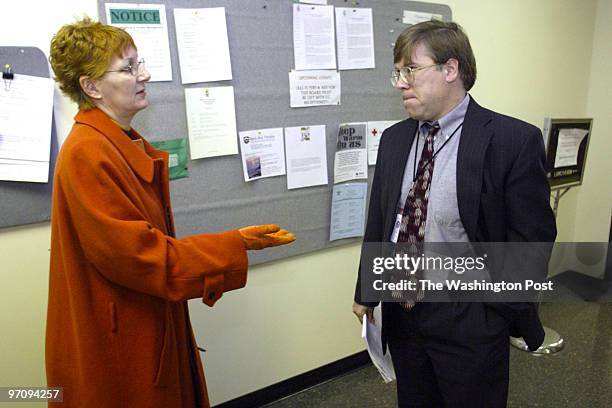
(406, 74)
(132, 68)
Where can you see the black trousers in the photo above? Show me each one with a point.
(451, 355)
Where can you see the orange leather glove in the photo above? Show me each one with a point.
(263, 236)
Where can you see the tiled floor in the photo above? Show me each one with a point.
(580, 376)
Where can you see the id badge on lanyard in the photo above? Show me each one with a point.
(396, 228)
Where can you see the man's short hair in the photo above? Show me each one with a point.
(443, 41)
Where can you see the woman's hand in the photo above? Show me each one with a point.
(263, 236)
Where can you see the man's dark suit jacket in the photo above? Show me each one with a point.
(502, 193)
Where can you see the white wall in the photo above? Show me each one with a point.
(535, 59)
(594, 204)
(293, 316)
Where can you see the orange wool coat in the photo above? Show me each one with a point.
(118, 330)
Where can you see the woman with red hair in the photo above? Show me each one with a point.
(118, 330)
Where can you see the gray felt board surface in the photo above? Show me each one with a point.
(20, 202)
(215, 196)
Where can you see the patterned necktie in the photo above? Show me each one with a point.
(412, 228)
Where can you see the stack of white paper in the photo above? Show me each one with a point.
(25, 144)
(370, 332)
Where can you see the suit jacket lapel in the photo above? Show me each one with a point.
(398, 156)
(475, 138)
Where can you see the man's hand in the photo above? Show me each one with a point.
(361, 310)
(263, 236)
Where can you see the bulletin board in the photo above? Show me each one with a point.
(567, 142)
(22, 202)
(215, 196)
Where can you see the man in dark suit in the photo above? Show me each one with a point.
(453, 172)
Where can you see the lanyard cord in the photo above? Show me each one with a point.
(415, 172)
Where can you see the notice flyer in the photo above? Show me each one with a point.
(263, 153)
(351, 162)
(348, 210)
(314, 88)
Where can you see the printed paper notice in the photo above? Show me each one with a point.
(350, 162)
(567, 147)
(306, 156)
(313, 37)
(263, 153)
(375, 131)
(348, 211)
(203, 48)
(355, 38)
(148, 26)
(314, 1)
(314, 88)
(415, 17)
(211, 121)
(25, 144)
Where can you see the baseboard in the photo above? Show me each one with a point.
(298, 383)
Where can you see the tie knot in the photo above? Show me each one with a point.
(431, 128)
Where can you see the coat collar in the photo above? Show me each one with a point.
(142, 162)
